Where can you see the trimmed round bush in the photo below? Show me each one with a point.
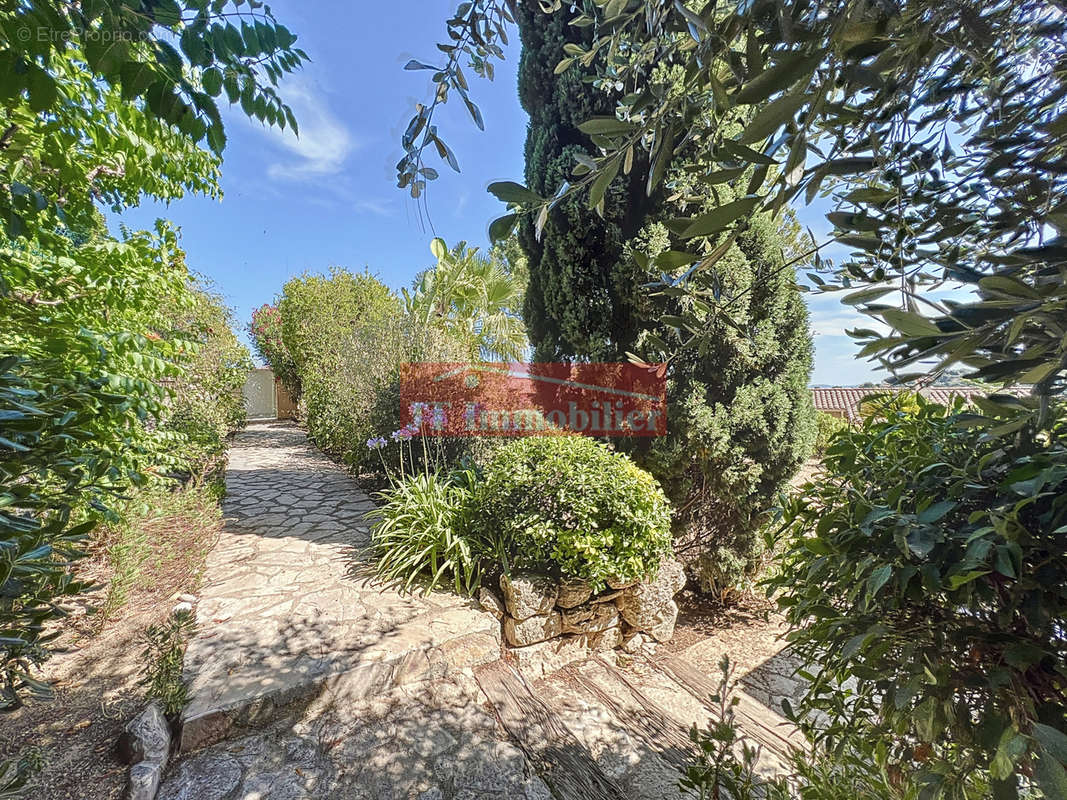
(570, 506)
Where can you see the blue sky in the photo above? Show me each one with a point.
(330, 197)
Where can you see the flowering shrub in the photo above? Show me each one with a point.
(421, 532)
(431, 457)
(266, 332)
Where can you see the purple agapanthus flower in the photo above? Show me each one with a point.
(376, 443)
(404, 434)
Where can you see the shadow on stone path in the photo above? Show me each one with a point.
(308, 682)
(281, 615)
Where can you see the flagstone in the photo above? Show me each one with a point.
(282, 613)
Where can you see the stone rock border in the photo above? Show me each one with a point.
(145, 743)
(548, 623)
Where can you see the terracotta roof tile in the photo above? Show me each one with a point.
(847, 399)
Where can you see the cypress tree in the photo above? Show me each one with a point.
(740, 416)
(580, 301)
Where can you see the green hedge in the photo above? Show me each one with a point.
(126, 371)
(325, 321)
(348, 336)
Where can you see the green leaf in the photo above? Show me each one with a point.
(909, 323)
(853, 645)
(672, 259)
(212, 80)
(936, 511)
(511, 192)
(235, 45)
(194, 47)
(956, 581)
(1040, 372)
(1011, 746)
(474, 111)
(605, 126)
(879, 578)
(136, 77)
(42, 88)
(747, 153)
(251, 39)
(1053, 741)
(719, 218)
(791, 68)
(927, 720)
(106, 54)
(867, 295)
(1050, 777)
(870, 244)
(1005, 284)
(608, 171)
(663, 153)
(216, 138)
(771, 117)
(167, 13)
(501, 227)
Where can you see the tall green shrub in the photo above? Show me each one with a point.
(84, 350)
(323, 320)
(926, 574)
(740, 418)
(348, 336)
(207, 402)
(108, 372)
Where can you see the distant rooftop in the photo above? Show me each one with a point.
(844, 401)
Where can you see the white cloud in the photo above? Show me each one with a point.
(461, 203)
(830, 324)
(323, 143)
(829, 317)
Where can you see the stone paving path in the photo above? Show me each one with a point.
(428, 741)
(285, 610)
(309, 682)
